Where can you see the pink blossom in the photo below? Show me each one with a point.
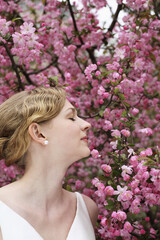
(147, 131)
(149, 152)
(127, 169)
(134, 161)
(97, 73)
(27, 28)
(108, 125)
(145, 175)
(119, 192)
(106, 168)
(128, 226)
(90, 68)
(135, 111)
(109, 190)
(67, 76)
(119, 215)
(116, 75)
(101, 91)
(125, 132)
(134, 183)
(18, 39)
(130, 151)
(105, 95)
(147, 219)
(79, 184)
(101, 101)
(116, 133)
(103, 221)
(95, 153)
(143, 153)
(135, 206)
(114, 144)
(126, 177)
(120, 53)
(106, 112)
(98, 184)
(4, 26)
(139, 64)
(126, 196)
(153, 232)
(142, 231)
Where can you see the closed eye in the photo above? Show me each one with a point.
(73, 119)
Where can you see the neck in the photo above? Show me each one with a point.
(42, 184)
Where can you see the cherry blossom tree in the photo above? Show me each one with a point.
(111, 75)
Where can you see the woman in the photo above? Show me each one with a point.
(40, 130)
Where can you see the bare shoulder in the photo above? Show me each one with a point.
(3, 192)
(92, 209)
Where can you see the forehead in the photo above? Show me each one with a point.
(67, 105)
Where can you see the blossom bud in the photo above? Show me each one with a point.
(135, 111)
(97, 73)
(147, 219)
(106, 95)
(101, 101)
(142, 231)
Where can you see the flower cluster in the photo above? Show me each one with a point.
(112, 76)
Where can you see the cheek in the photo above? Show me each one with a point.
(66, 133)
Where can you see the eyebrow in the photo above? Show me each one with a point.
(73, 110)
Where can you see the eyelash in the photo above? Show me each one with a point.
(73, 119)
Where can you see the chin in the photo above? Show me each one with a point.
(87, 153)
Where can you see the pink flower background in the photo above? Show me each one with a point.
(112, 76)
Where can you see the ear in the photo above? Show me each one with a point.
(35, 133)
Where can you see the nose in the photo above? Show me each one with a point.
(85, 125)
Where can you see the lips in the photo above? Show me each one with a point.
(85, 139)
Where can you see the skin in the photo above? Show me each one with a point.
(38, 196)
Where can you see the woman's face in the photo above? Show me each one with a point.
(67, 134)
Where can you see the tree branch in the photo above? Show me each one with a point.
(89, 50)
(119, 8)
(26, 75)
(60, 71)
(41, 70)
(155, 8)
(14, 66)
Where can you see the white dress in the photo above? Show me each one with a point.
(15, 227)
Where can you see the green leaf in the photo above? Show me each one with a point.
(110, 202)
(126, 104)
(68, 188)
(148, 163)
(144, 158)
(135, 50)
(121, 95)
(124, 114)
(116, 90)
(101, 113)
(16, 19)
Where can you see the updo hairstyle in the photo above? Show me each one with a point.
(18, 112)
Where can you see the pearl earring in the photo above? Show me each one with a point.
(46, 142)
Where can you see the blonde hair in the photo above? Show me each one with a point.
(19, 111)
